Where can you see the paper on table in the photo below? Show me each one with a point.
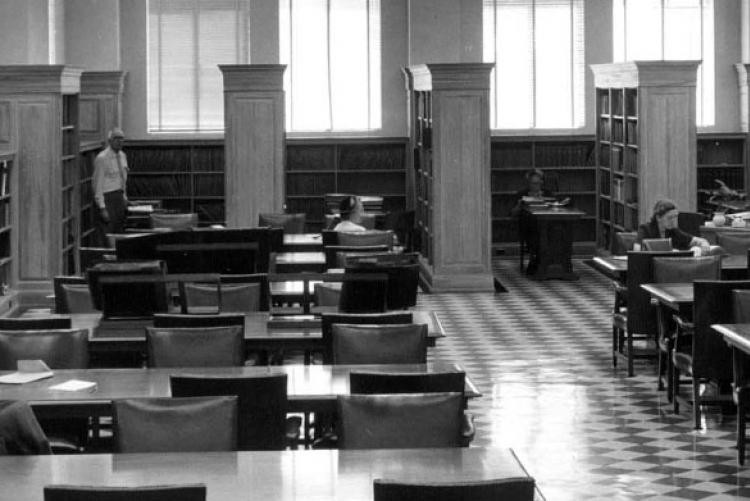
(28, 371)
(74, 385)
(141, 209)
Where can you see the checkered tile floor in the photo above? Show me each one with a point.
(540, 354)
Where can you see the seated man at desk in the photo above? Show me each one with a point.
(663, 224)
(350, 210)
(534, 189)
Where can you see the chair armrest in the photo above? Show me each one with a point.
(467, 429)
(683, 325)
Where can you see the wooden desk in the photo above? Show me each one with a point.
(311, 388)
(295, 262)
(711, 233)
(675, 296)
(303, 242)
(267, 475)
(552, 231)
(301, 333)
(616, 267)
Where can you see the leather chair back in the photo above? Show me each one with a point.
(327, 320)
(624, 242)
(326, 294)
(713, 303)
(195, 347)
(121, 297)
(183, 221)
(199, 424)
(176, 320)
(59, 349)
(336, 254)
(364, 295)
(657, 244)
(369, 383)
(366, 238)
(20, 432)
(686, 269)
(34, 323)
(403, 282)
(734, 243)
(262, 405)
(505, 489)
(402, 421)
(379, 344)
(290, 223)
(192, 492)
(641, 315)
(741, 302)
(221, 298)
(72, 295)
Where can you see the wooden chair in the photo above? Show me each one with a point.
(402, 225)
(366, 238)
(336, 255)
(58, 348)
(398, 421)
(379, 344)
(191, 492)
(623, 242)
(734, 243)
(506, 489)
(195, 347)
(327, 320)
(362, 294)
(403, 281)
(140, 298)
(72, 295)
(674, 270)
(20, 432)
(262, 406)
(290, 223)
(198, 424)
(35, 323)
(709, 358)
(166, 220)
(657, 244)
(219, 298)
(638, 321)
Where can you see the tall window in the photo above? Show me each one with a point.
(187, 39)
(332, 49)
(538, 50)
(669, 29)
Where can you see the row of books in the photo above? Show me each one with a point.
(720, 151)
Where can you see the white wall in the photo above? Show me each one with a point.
(92, 34)
(24, 32)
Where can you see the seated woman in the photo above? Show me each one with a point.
(534, 188)
(350, 209)
(663, 224)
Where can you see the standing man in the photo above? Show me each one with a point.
(109, 182)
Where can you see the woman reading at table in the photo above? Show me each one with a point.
(663, 224)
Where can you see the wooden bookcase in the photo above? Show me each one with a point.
(423, 173)
(70, 188)
(6, 220)
(720, 156)
(315, 167)
(645, 141)
(187, 176)
(87, 212)
(569, 166)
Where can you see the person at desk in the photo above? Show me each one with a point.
(109, 183)
(526, 232)
(663, 224)
(350, 210)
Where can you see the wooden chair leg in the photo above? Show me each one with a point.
(675, 389)
(670, 376)
(630, 353)
(615, 342)
(696, 403)
(740, 430)
(660, 368)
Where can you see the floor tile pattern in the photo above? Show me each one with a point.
(540, 354)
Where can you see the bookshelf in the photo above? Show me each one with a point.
(87, 212)
(569, 165)
(315, 167)
(720, 156)
(70, 187)
(6, 220)
(645, 142)
(187, 176)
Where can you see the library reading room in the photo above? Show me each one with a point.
(374, 250)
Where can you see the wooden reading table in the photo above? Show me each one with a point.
(268, 475)
(552, 230)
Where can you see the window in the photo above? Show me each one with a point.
(332, 52)
(538, 50)
(187, 39)
(669, 29)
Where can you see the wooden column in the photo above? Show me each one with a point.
(100, 103)
(254, 141)
(666, 155)
(31, 119)
(743, 82)
(459, 202)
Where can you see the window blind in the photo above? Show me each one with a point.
(332, 52)
(538, 50)
(187, 40)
